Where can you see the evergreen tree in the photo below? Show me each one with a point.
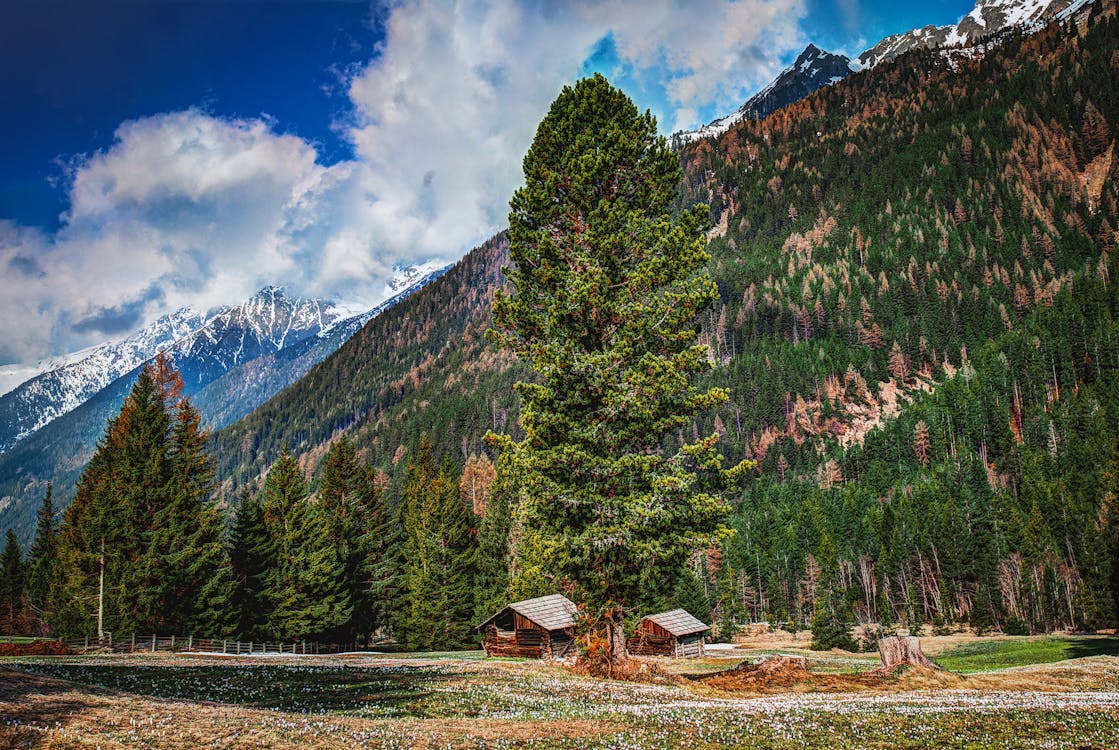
(689, 594)
(439, 558)
(252, 556)
(831, 614)
(491, 582)
(13, 585)
(376, 535)
(104, 540)
(306, 590)
(344, 505)
(607, 287)
(41, 558)
(191, 584)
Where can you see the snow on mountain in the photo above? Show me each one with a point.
(813, 69)
(986, 19)
(203, 350)
(266, 322)
(61, 384)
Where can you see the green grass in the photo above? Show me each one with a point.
(496, 697)
(1003, 653)
(304, 689)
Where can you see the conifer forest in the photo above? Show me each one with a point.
(850, 368)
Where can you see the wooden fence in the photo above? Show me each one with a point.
(153, 643)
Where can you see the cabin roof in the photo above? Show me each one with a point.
(552, 612)
(678, 622)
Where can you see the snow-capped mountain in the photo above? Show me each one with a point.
(203, 349)
(813, 69)
(986, 19)
(238, 359)
(405, 278)
(267, 322)
(66, 382)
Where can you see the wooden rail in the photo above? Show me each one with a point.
(153, 643)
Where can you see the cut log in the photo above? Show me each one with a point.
(902, 650)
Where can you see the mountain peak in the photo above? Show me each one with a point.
(812, 69)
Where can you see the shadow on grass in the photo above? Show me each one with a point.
(1093, 647)
(376, 691)
(28, 703)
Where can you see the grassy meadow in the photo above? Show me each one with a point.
(996, 693)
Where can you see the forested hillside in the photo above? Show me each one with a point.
(420, 366)
(919, 328)
(917, 325)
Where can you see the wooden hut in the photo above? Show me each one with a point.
(541, 628)
(672, 633)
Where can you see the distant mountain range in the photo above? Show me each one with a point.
(231, 363)
(67, 382)
(814, 68)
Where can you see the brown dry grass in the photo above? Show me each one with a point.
(783, 675)
(53, 714)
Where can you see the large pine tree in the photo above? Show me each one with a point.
(491, 581)
(191, 584)
(346, 506)
(607, 288)
(252, 555)
(139, 549)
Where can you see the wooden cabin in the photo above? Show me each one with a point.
(540, 628)
(672, 633)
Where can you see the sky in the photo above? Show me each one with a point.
(156, 154)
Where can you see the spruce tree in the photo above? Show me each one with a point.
(191, 586)
(13, 585)
(140, 546)
(607, 287)
(439, 556)
(689, 594)
(41, 558)
(252, 556)
(374, 574)
(306, 590)
(344, 504)
(102, 584)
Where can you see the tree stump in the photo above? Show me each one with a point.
(902, 650)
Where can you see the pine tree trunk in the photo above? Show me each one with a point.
(902, 650)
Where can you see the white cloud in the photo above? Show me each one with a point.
(445, 114)
(188, 208)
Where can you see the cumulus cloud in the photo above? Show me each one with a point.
(444, 115)
(184, 208)
(188, 208)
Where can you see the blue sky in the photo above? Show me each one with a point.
(170, 152)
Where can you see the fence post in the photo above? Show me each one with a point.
(153, 643)
(133, 643)
(172, 643)
(190, 643)
(224, 643)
